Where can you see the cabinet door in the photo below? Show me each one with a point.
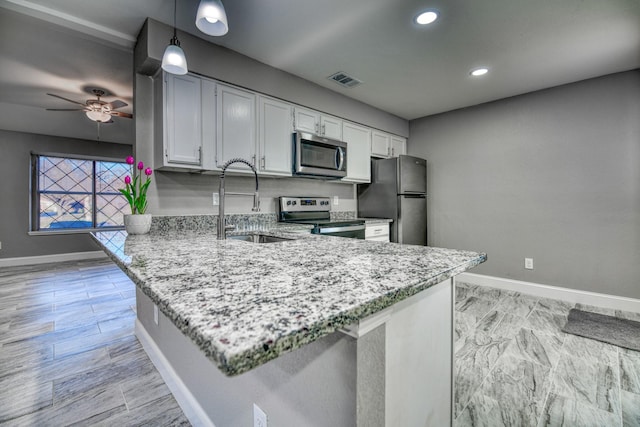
(236, 126)
(380, 144)
(275, 131)
(307, 120)
(358, 141)
(398, 146)
(183, 126)
(331, 127)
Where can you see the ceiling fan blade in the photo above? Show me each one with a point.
(121, 114)
(65, 109)
(117, 104)
(66, 99)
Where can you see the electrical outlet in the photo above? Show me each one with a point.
(216, 199)
(336, 200)
(528, 263)
(155, 314)
(259, 417)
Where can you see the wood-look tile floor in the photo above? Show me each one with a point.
(68, 351)
(515, 367)
(69, 355)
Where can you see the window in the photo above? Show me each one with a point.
(75, 193)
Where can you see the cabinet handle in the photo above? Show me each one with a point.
(317, 127)
(393, 152)
(253, 160)
(388, 151)
(200, 154)
(262, 162)
(324, 129)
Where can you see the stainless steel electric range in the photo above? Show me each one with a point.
(317, 211)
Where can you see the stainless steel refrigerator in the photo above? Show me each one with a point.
(398, 190)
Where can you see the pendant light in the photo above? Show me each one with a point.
(211, 18)
(173, 60)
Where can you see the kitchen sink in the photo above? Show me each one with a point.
(257, 238)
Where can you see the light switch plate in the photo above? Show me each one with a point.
(336, 200)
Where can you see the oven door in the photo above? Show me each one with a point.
(351, 231)
(319, 157)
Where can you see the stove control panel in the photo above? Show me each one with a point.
(304, 204)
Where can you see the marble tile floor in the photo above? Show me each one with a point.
(68, 353)
(515, 367)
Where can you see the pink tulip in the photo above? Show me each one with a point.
(127, 180)
(130, 160)
(140, 166)
(148, 171)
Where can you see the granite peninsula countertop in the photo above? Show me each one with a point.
(244, 303)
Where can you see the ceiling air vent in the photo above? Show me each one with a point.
(344, 79)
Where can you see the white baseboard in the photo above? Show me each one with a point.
(555, 292)
(188, 403)
(44, 259)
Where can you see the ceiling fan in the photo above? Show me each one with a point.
(96, 109)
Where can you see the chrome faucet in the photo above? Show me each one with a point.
(222, 226)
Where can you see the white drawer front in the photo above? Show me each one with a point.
(376, 230)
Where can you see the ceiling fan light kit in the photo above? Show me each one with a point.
(174, 60)
(96, 109)
(211, 18)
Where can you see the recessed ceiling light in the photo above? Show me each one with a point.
(427, 17)
(477, 72)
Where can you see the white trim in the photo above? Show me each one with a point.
(44, 259)
(555, 292)
(188, 403)
(368, 324)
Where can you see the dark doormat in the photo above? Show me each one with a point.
(613, 330)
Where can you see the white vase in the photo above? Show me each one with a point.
(137, 224)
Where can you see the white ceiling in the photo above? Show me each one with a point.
(408, 71)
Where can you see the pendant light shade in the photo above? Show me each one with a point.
(211, 18)
(173, 60)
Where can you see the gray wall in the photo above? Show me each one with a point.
(15, 172)
(553, 175)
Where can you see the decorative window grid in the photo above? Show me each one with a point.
(76, 193)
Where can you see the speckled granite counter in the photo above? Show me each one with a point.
(244, 304)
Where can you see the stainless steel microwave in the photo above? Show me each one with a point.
(318, 157)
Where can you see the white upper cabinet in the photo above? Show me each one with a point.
(236, 126)
(311, 121)
(182, 122)
(306, 120)
(358, 139)
(331, 127)
(380, 144)
(398, 146)
(386, 145)
(275, 133)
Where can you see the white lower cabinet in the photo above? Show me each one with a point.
(236, 127)
(379, 232)
(358, 139)
(275, 133)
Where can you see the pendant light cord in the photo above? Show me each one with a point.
(175, 12)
